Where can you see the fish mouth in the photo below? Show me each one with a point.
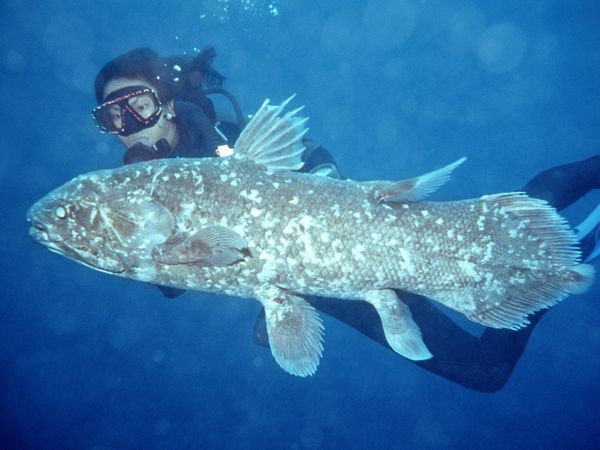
(71, 252)
(39, 232)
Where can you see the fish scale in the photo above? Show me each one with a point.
(243, 228)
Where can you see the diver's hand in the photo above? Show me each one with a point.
(162, 149)
(140, 152)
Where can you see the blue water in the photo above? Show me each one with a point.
(394, 89)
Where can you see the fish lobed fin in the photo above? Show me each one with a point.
(294, 329)
(401, 332)
(411, 189)
(273, 139)
(213, 245)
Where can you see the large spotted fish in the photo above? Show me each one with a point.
(247, 225)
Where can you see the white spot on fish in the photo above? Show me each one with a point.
(489, 248)
(306, 221)
(253, 195)
(268, 272)
(469, 269)
(358, 252)
(254, 212)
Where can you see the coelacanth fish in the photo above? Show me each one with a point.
(248, 226)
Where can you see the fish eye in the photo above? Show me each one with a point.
(61, 212)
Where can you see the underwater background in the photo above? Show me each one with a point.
(394, 89)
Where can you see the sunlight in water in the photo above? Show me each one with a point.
(225, 10)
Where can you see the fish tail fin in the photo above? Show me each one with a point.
(533, 263)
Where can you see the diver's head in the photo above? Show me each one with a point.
(135, 101)
(133, 111)
(140, 79)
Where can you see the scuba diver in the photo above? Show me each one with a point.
(159, 107)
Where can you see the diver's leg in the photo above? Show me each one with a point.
(588, 234)
(563, 185)
(499, 350)
(483, 364)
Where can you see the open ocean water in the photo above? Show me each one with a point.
(394, 89)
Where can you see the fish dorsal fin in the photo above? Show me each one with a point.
(272, 138)
(412, 189)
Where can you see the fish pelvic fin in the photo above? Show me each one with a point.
(401, 332)
(295, 331)
(412, 189)
(273, 139)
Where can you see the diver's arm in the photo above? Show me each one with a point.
(317, 160)
(193, 119)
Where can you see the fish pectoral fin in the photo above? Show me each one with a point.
(412, 189)
(211, 246)
(295, 331)
(401, 331)
(273, 139)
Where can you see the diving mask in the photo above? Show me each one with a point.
(128, 110)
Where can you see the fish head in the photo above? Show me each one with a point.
(68, 222)
(107, 220)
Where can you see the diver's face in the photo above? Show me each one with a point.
(163, 129)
